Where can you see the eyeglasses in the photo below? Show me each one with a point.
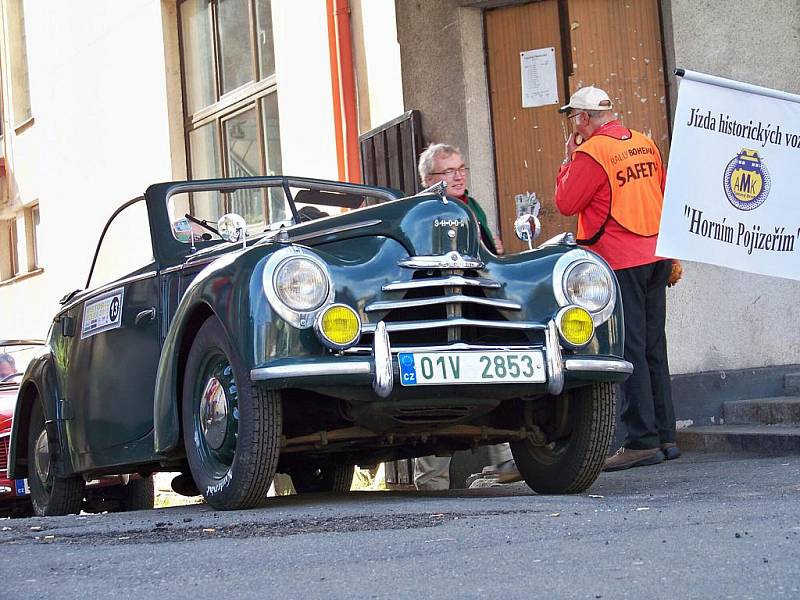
(450, 173)
(573, 115)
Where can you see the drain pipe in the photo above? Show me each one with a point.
(344, 89)
(335, 90)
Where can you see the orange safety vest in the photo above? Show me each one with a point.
(634, 171)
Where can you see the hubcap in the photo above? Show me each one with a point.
(214, 413)
(42, 454)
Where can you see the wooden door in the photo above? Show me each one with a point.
(611, 44)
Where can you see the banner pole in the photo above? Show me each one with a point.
(736, 85)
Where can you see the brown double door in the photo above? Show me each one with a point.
(612, 44)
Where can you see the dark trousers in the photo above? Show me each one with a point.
(647, 410)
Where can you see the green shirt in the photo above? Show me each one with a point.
(486, 233)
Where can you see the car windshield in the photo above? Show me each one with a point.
(194, 215)
(14, 359)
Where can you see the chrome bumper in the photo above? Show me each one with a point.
(382, 371)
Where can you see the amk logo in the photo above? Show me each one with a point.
(746, 181)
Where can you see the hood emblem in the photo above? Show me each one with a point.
(451, 260)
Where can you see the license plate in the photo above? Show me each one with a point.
(443, 368)
(21, 486)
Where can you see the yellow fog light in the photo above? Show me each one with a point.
(338, 326)
(575, 326)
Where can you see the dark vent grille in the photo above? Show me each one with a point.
(431, 415)
(4, 446)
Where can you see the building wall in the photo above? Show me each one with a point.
(305, 103)
(99, 137)
(719, 319)
(376, 54)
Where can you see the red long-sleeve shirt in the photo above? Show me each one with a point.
(582, 186)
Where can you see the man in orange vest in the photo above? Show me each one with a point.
(613, 179)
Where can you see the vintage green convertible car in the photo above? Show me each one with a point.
(235, 328)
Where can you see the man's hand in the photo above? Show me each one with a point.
(498, 244)
(676, 273)
(571, 145)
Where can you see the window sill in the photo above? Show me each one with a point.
(23, 126)
(21, 276)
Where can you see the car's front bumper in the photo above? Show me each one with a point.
(379, 369)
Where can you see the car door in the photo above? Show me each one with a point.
(114, 353)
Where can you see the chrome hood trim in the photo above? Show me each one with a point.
(451, 260)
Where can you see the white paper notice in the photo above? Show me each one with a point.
(539, 82)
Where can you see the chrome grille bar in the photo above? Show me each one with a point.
(456, 298)
(457, 347)
(458, 322)
(455, 280)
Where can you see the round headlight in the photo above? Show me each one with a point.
(338, 326)
(301, 284)
(589, 285)
(575, 325)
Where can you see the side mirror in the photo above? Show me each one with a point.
(527, 228)
(232, 228)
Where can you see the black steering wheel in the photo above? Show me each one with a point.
(9, 377)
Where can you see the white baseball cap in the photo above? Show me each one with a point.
(588, 98)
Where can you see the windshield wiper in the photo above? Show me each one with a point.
(202, 223)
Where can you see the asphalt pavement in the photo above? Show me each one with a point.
(703, 526)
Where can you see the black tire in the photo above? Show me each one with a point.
(50, 494)
(233, 452)
(571, 464)
(139, 494)
(335, 479)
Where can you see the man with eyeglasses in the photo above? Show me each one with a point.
(613, 179)
(442, 162)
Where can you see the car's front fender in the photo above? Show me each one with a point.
(223, 289)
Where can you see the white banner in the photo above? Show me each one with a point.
(732, 196)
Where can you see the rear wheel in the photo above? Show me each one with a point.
(50, 493)
(139, 494)
(231, 428)
(329, 478)
(577, 448)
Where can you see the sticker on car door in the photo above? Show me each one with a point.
(102, 313)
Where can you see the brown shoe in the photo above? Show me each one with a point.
(625, 458)
(671, 450)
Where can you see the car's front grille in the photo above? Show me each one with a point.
(447, 307)
(4, 446)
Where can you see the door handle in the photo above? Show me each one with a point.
(145, 315)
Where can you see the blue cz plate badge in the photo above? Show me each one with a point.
(453, 368)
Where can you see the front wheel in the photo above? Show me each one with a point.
(576, 450)
(231, 428)
(329, 478)
(50, 494)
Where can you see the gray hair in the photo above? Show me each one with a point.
(596, 114)
(7, 358)
(430, 153)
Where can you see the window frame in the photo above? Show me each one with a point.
(228, 105)
(31, 237)
(113, 216)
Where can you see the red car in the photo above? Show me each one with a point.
(116, 493)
